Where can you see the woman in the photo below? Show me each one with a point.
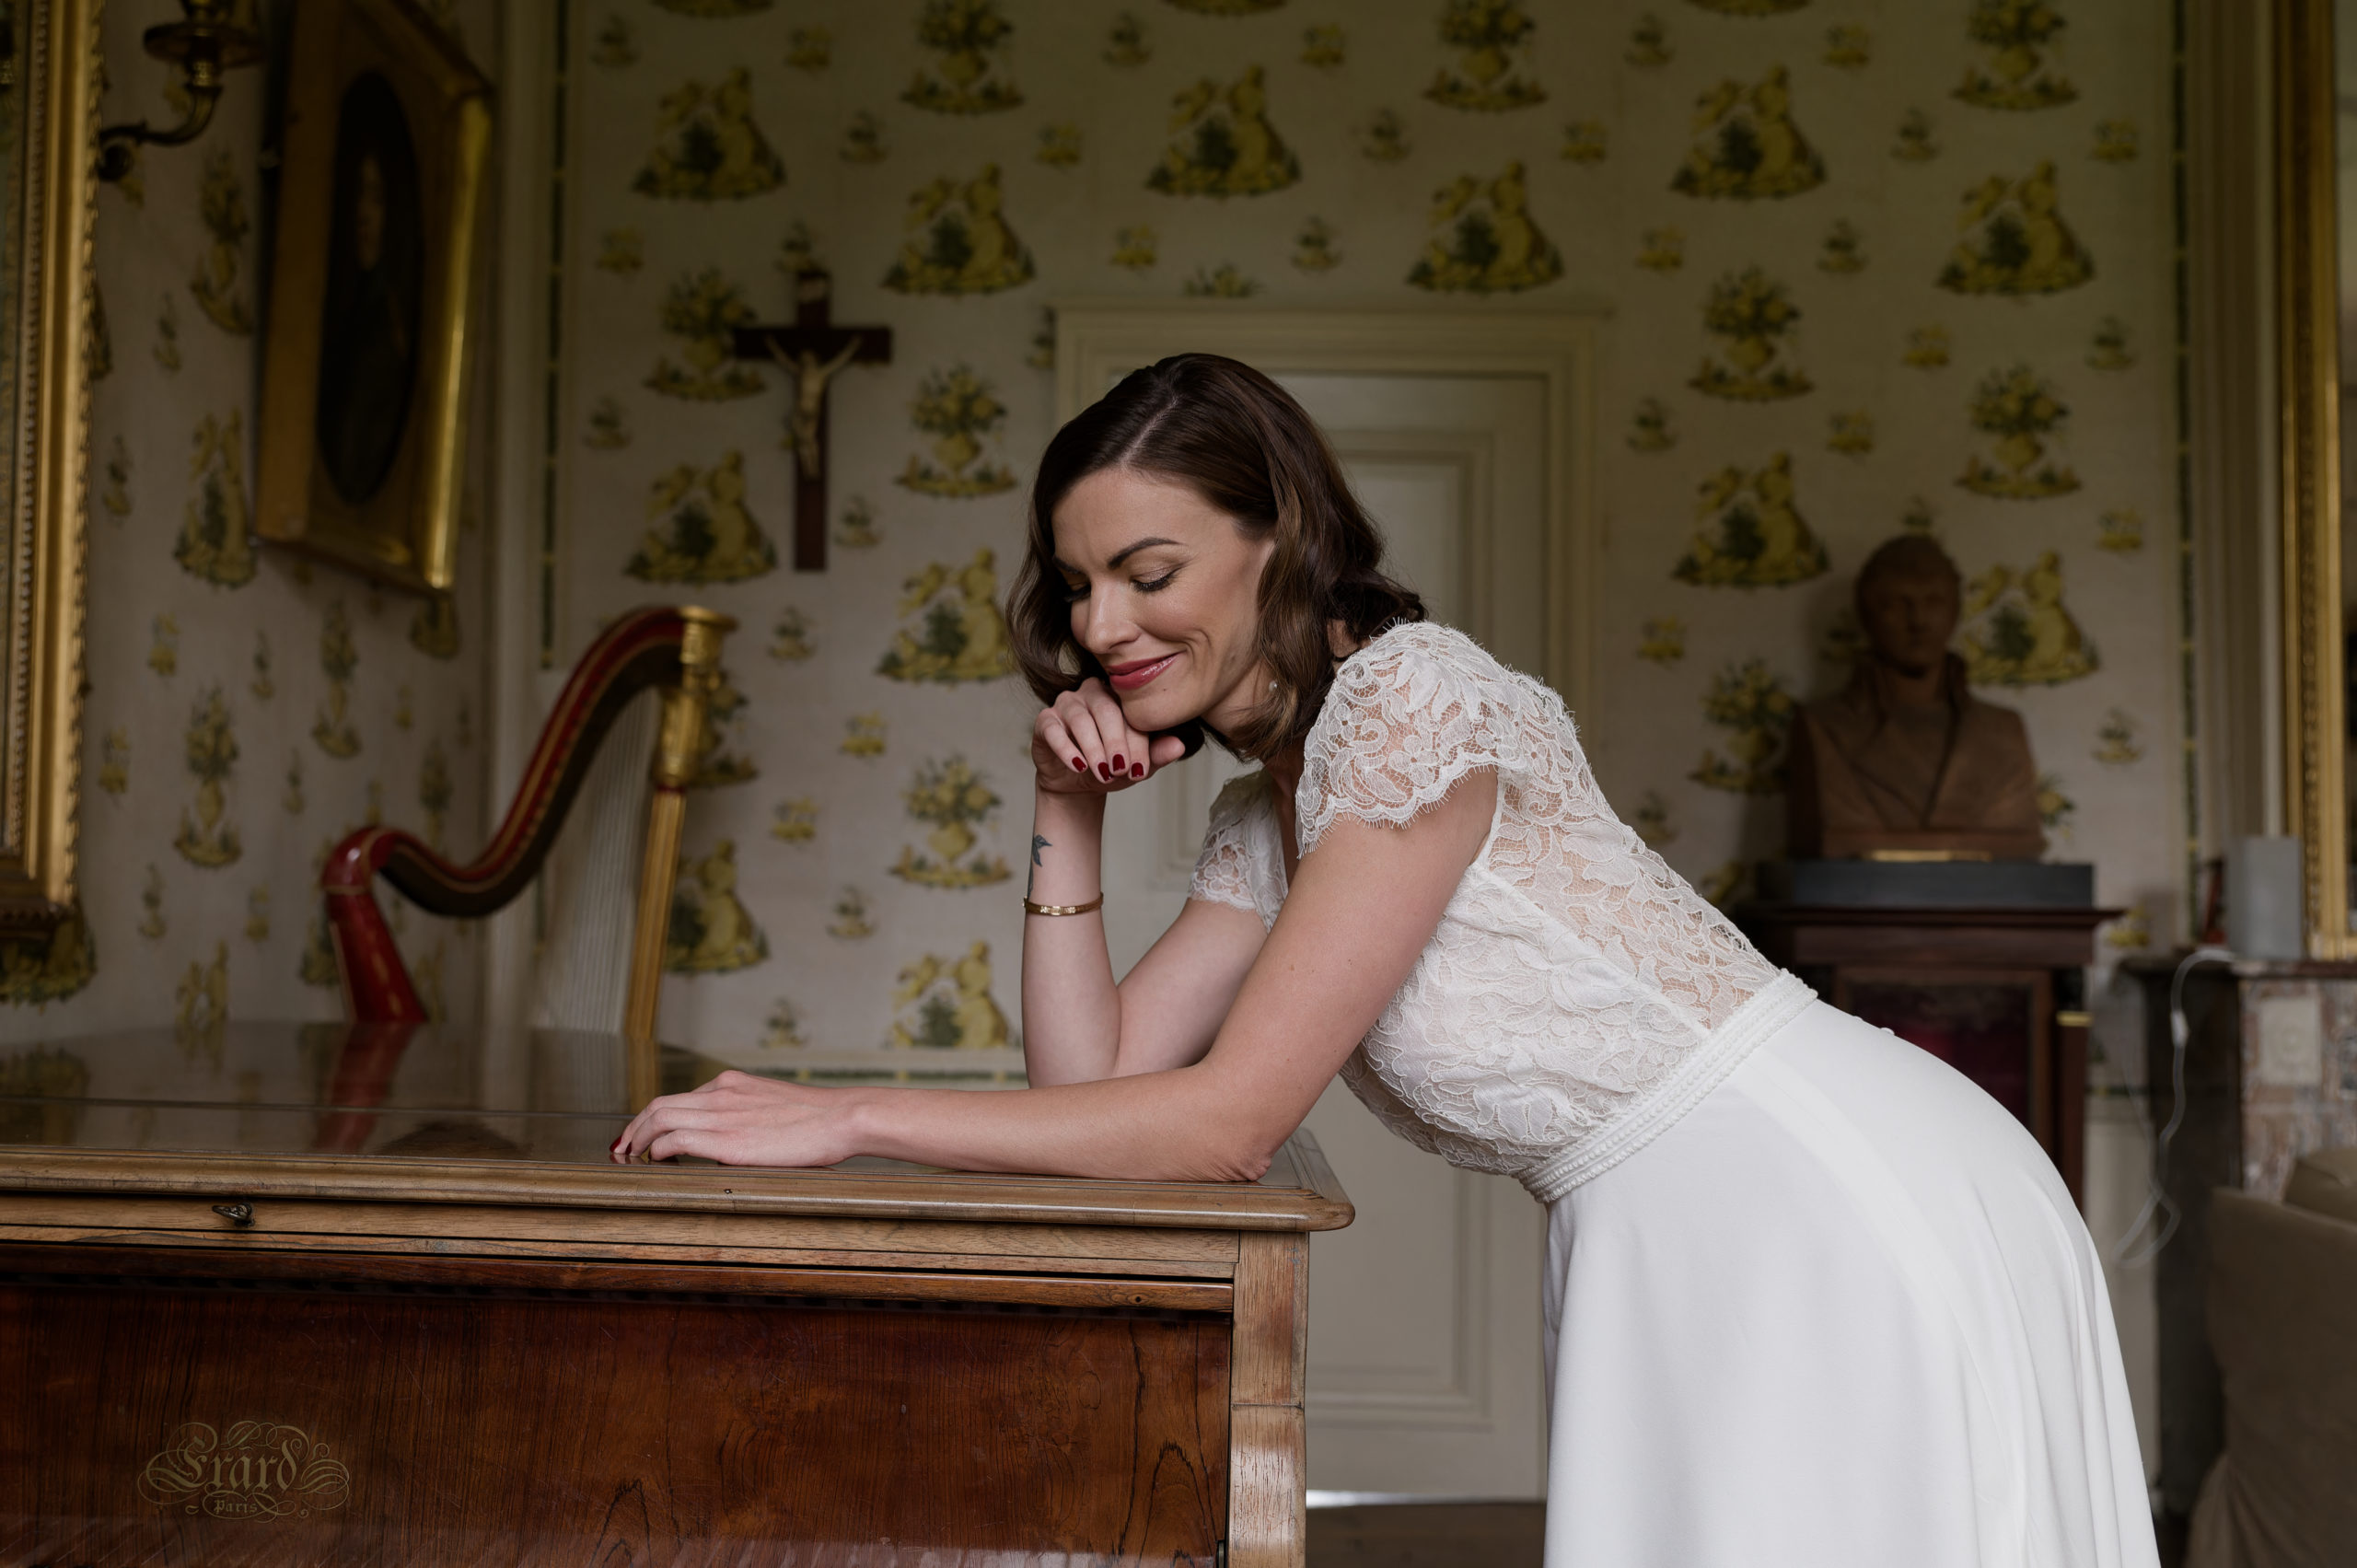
(1812, 1299)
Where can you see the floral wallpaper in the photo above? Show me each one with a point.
(1868, 268)
(244, 709)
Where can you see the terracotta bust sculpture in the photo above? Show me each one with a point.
(1905, 759)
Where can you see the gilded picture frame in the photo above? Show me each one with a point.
(2316, 773)
(388, 135)
(46, 258)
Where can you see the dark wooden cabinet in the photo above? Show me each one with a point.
(275, 1354)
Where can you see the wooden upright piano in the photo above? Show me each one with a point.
(290, 1293)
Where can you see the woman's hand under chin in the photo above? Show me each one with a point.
(738, 1118)
(1083, 744)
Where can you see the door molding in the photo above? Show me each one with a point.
(1381, 1397)
(1099, 339)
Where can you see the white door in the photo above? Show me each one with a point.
(1424, 1354)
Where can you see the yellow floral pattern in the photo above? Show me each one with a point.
(1483, 238)
(1223, 144)
(958, 240)
(710, 148)
(961, 635)
(955, 798)
(1752, 534)
(1490, 36)
(1746, 146)
(2018, 633)
(946, 1005)
(703, 533)
(2022, 412)
(2014, 240)
(712, 932)
(1752, 705)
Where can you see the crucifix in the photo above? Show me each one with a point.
(812, 351)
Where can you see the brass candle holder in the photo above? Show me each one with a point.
(205, 45)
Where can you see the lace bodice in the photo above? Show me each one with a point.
(1578, 996)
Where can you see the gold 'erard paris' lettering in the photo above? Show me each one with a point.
(258, 1469)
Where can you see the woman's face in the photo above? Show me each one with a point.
(1165, 592)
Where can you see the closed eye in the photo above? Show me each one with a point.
(1074, 594)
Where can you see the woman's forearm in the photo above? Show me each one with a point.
(1072, 1008)
(1180, 1125)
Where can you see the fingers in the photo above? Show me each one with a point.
(687, 1141)
(1087, 735)
(666, 1112)
(1056, 738)
(1088, 731)
(1123, 750)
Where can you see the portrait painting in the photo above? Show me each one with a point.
(368, 330)
(365, 359)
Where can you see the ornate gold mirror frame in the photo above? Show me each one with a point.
(2309, 371)
(49, 103)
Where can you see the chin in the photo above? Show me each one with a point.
(1154, 713)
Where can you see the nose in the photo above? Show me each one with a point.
(1107, 625)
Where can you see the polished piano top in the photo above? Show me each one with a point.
(423, 1113)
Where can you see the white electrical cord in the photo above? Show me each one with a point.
(2156, 1197)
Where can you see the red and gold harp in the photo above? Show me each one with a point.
(675, 648)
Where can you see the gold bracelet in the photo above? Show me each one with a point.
(1030, 908)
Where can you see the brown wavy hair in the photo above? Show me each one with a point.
(1241, 442)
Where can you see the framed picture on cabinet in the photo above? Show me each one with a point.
(388, 135)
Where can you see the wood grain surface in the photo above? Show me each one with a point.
(1269, 1461)
(445, 1229)
(1281, 1200)
(186, 1269)
(431, 1427)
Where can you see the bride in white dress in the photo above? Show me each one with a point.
(1813, 1299)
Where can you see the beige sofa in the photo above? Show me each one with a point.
(2283, 1310)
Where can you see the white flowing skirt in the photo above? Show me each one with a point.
(1843, 1313)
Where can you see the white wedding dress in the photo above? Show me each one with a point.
(1812, 1297)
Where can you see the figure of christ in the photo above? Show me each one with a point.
(810, 377)
(1904, 757)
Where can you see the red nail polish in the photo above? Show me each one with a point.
(1120, 766)
(1079, 766)
(1137, 771)
(1104, 772)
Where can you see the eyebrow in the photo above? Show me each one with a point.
(1122, 555)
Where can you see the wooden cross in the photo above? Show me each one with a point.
(811, 351)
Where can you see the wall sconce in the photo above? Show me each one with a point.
(203, 46)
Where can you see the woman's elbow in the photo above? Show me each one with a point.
(1222, 1133)
(1242, 1163)
(1232, 1150)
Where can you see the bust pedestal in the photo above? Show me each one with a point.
(1982, 964)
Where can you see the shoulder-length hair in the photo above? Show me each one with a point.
(1242, 442)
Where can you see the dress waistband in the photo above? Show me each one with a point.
(1770, 1009)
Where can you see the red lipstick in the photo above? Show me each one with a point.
(1130, 677)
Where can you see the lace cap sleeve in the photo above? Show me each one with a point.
(1408, 715)
(1225, 873)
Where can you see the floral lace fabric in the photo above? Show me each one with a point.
(1574, 979)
